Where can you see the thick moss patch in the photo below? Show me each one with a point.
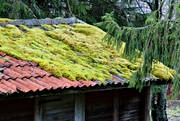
(74, 52)
(4, 20)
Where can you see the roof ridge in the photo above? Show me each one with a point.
(46, 21)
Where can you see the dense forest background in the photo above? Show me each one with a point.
(126, 12)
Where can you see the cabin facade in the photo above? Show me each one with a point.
(102, 105)
(32, 94)
(85, 79)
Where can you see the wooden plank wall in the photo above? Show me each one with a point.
(79, 107)
(59, 108)
(132, 105)
(119, 105)
(114, 105)
(99, 106)
(17, 110)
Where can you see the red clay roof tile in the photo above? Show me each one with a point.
(9, 89)
(53, 85)
(19, 86)
(10, 85)
(12, 73)
(2, 61)
(39, 87)
(3, 90)
(45, 85)
(2, 54)
(28, 85)
(23, 76)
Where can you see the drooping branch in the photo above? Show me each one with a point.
(159, 42)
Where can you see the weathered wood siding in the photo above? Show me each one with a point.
(17, 110)
(59, 108)
(113, 105)
(99, 106)
(79, 107)
(132, 105)
(102, 106)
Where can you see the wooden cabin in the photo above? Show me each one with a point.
(30, 90)
(110, 104)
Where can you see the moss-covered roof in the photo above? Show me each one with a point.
(73, 51)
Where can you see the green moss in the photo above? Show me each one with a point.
(49, 27)
(4, 20)
(163, 72)
(76, 52)
(23, 27)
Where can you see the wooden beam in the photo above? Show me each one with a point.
(147, 104)
(116, 107)
(79, 107)
(37, 111)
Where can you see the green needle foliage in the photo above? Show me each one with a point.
(155, 43)
(27, 9)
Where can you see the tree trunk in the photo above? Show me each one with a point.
(158, 104)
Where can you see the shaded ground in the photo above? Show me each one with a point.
(173, 110)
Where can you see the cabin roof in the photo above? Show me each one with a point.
(24, 76)
(62, 53)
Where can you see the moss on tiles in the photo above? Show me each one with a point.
(76, 52)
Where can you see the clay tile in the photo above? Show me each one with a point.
(2, 54)
(3, 90)
(9, 90)
(78, 83)
(12, 73)
(33, 64)
(48, 81)
(86, 83)
(21, 71)
(92, 83)
(45, 85)
(7, 64)
(23, 63)
(13, 61)
(55, 83)
(20, 86)
(5, 77)
(41, 72)
(2, 61)
(7, 83)
(59, 82)
(34, 84)
(25, 83)
(11, 58)
(117, 79)
(68, 81)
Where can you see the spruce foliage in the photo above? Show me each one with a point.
(159, 42)
(90, 11)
